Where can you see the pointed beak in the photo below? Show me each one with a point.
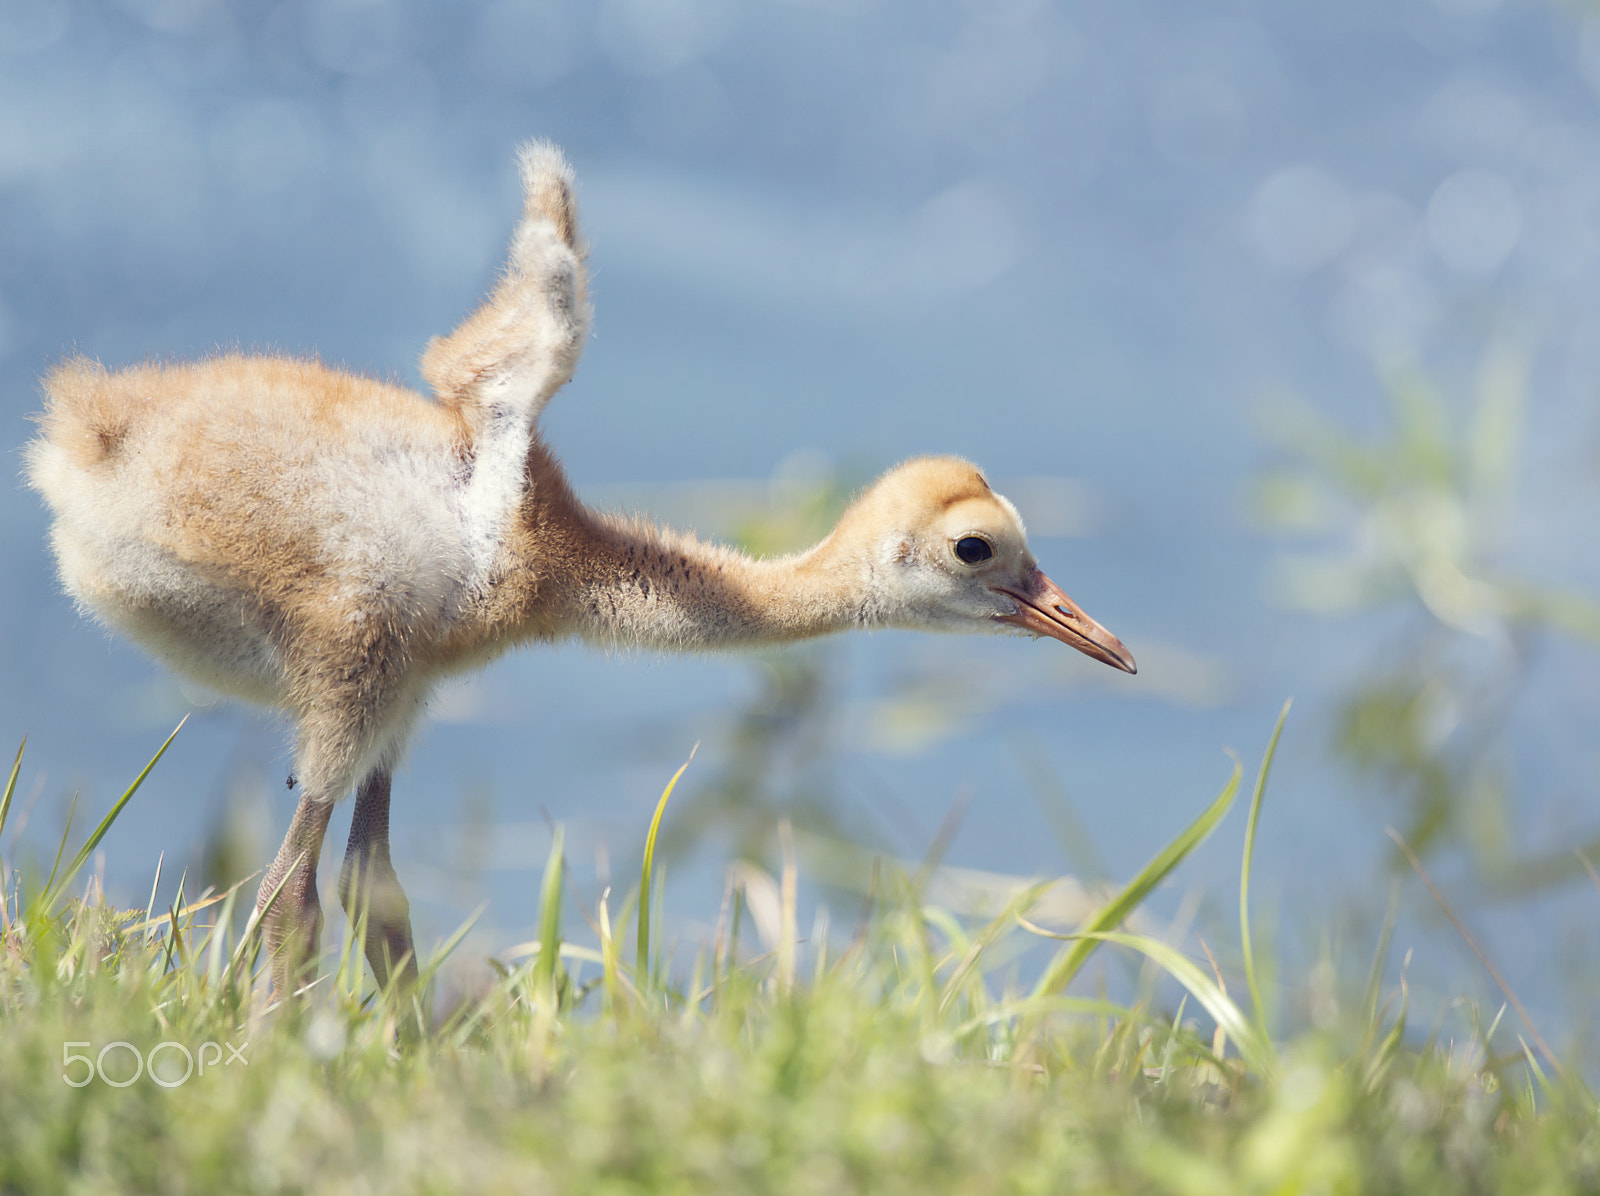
(1045, 610)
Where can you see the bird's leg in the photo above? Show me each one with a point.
(368, 884)
(292, 927)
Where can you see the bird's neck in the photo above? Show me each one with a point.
(568, 571)
(634, 583)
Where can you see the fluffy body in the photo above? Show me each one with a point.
(301, 537)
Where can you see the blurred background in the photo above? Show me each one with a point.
(1279, 322)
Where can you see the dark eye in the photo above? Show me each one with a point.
(973, 550)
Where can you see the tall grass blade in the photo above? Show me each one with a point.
(609, 965)
(819, 946)
(1369, 1000)
(641, 967)
(1015, 908)
(659, 966)
(544, 974)
(735, 924)
(1254, 1048)
(446, 949)
(1384, 1053)
(221, 929)
(53, 892)
(5, 809)
(1246, 945)
(11, 785)
(1071, 959)
(40, 907)
(155, 885)
(1537, 1073)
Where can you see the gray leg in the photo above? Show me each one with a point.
(367, 883)
(292, 928)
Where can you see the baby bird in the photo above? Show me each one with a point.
(334, 545)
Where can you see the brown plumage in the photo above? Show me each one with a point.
(334, 545)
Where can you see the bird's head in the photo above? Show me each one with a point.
(946, 553)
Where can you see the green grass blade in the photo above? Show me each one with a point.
(53, 891)
(610, 967)
(1068, 962)
(658, 968)
(1256, 1007)
(1378, 1058)
(221, 929)
(641, 966)
(5, 809)
(1380, 954)
(1254, 1048)
(550, 920)
(11, 785)
(39, 909)
(1536, 1072)
(150, 909)
(1017, 906)
(446, 948)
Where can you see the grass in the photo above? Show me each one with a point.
(908, 1058)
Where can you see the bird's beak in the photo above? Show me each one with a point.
(1045, 610)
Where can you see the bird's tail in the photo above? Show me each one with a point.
(87, 413)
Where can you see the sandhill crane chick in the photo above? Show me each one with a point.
(302, 537)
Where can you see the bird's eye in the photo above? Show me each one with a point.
(973, 550)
